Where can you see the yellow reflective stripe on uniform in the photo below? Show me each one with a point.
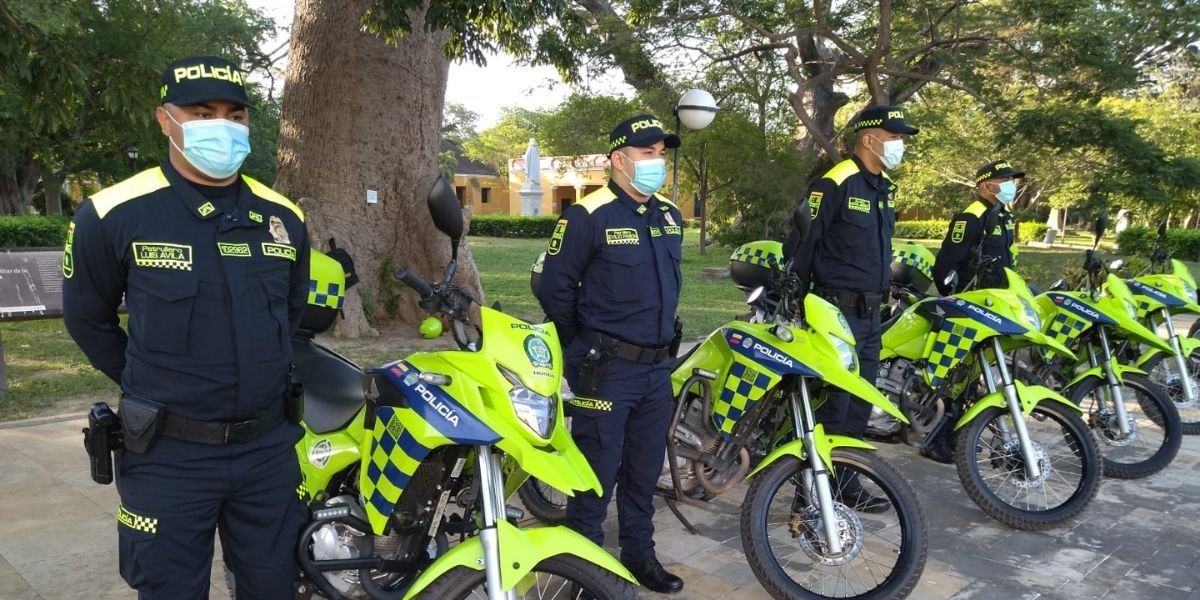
(271, 195)
(976, 209)
(139, 185)
(597, 199)
(135, 521)
(842, 170)
(665, 201)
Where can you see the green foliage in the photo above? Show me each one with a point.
(459, 122)
(1031, 232)
(505, 140)
(32, 231)
(1183, 244)
(512, 226)
(920, 230)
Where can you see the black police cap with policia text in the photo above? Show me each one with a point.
(198, 79)
(885, 117)
(641, 131)
(997, 170)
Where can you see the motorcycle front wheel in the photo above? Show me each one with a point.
(1154, 429)
(562, 577)
(1165, 374)
(991, 466)
(883, 546)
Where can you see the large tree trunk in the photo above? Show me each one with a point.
(17, 184)
(359, 114)
(52, 190)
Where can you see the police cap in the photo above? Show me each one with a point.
(886, 117)
(641, 131)
(199, 79)
(997, 170)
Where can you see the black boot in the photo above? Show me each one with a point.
(941, 449)
(652, 576)
(850, 492)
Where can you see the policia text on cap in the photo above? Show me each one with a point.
(213, 268)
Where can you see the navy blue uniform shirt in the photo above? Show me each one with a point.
(613, 266)
(966, 232)
(849, 246)
(214, 292)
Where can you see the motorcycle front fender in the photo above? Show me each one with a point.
(1029, 395)
(825, 444)
(522, 550)
(1187, 344)
(853, 384)
(1119, 370)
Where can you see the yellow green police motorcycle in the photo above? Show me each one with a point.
(1160, 295)
(393, 474)
(1024, 454)
(1136, 425)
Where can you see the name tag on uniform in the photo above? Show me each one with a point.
(655, 232)
(861, 205)
(227, 249)
(622, 237)
(279, 251)
(674, 230)
(162, 255)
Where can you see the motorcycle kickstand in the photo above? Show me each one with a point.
(673, 506)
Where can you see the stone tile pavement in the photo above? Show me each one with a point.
(1139, 539)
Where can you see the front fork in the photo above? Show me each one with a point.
(491, 497)
(1032, 468)
(818, 476)
(1185, 379)
(1113, 391)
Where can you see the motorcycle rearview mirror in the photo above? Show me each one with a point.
(951, 280)
(756, 295)
(447, 217)
(1060, 284)
(802, 218)
(1099, 227)
(1116, 265)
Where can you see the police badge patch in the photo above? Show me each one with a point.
(556, 238)
(278, 231)
(958, 231)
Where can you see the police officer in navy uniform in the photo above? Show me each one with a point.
(611, 283)
(846, 258)
(213, 269)
(995, 190)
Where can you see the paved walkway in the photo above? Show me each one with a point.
(1139, 539)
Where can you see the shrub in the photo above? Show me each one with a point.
(32, 231)
(513, 226)
(1031, 232)
(1183, 244)
(921, 230)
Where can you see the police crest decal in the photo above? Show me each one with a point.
(278, 231)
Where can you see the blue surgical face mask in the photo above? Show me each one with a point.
(1007, 192)
(648, 175)
(215, 147)
(893, 153)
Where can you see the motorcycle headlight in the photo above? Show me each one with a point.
(846, 353)
(1130, 309)
(1190, 290)
(536, 411)
(1031, 314)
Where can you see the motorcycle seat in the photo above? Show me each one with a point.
(333, 391)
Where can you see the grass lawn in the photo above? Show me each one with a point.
(49, 375)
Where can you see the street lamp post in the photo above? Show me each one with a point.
(132, 153)
(695, 110)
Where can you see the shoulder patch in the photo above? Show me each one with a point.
(270, 195)
(666, 201)
(841, 171)
(957, 231)
(139, 185)
(976, 209)
(597, 199)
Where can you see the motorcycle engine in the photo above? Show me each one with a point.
(692, 433)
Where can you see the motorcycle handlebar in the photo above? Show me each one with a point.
(414, 281)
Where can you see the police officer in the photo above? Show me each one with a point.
(611, 283)
(847, 256)
(213, 269)
(995, 189)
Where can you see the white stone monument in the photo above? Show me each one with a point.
(531, 190)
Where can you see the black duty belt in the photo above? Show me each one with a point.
(850, 298)
(216, 433)
(624, 350)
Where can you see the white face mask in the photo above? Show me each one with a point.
(893, 153)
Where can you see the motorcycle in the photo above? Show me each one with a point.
(746, 395)
(1135, 424)
(1160, 295)
(1024, 455)
(391, 473)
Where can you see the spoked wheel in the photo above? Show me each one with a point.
(883, 541)
(1165, 374)
(561, 577)
(542, 501)
(1154, 431)
(991, 466)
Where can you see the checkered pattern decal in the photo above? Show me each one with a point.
(914, 260)
(952, 344)
(136, 522)
(332, 297)
(394, 457)
(1065, 327)
(756, 256)
(744, 386)
(302, 492)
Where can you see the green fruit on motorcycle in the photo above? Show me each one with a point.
(393, 474)
(1136, 425)
(1024, 455)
